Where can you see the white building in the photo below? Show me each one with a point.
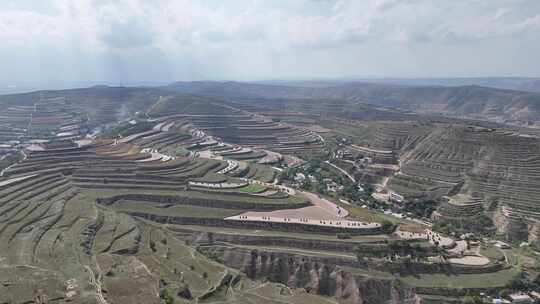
(398, 198)
(520, 298)
(299, 177)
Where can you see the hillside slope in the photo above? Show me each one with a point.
(509, 106)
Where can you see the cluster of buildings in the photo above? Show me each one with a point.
(301, 179)
(519, 298)
(348, 155)
(332, 186)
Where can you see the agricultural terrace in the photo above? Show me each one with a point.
(179, 201)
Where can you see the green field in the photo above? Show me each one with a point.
(253, 188)
(181, 151)
(176, 210)
(483, 280)
(295, 235)
(492, 253)
(95, 194)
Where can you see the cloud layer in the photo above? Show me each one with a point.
(126, 40)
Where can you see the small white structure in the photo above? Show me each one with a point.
(299, 177)
(398, 198)
(535, 295)
(520, 298)
(501, 245)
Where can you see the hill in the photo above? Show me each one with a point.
(528, 84)
(476, 102)
(195, 199)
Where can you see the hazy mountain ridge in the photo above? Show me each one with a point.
(510, 83)
(476, 102)
(501, 105)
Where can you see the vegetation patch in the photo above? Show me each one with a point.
(481, 280)
(253, 188)
(127, 129)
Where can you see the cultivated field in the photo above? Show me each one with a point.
(124, 195)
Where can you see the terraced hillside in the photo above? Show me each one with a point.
(78, 214)
(431, 158)
(439, 162)
(99, 105)
(38, 117)
(181, 202)
(43, 119)
(237, 126)
(88, 224)
(468, 101)
(496, 165)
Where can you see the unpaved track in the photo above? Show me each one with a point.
(325, 206)
(16, 179)
(470, 261)
(322, 209)
(321, 213)
(97, 285)
(342, 171)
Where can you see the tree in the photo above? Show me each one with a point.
(472, 300)
(169, 299)
(306, 185)
(320, 188)
(153, 246)
(519, 281)
(388, 226)
(343, 236)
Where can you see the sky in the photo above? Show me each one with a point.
(122, 41)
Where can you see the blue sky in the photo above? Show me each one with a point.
(49, 41)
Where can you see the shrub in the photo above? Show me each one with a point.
(472, 300)
(167, 297)
(388, 226)
(343, 236)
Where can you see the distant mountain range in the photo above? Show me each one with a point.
(421, 96)
(510, 83)
(467, 101)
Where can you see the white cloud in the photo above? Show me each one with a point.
(210, 35)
